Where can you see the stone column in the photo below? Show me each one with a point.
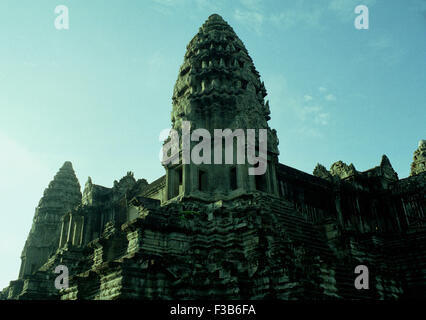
(134, 234)
(69, 228)
(273, 178)
(61, 239)
(186, 179)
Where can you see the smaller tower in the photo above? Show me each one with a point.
(419, 159)
(62, 195)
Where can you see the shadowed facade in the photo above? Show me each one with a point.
(212, 231)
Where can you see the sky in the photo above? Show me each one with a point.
(99, 93)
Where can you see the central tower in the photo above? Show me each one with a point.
(218, 87)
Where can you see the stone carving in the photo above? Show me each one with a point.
(342, 170)
(419, 159)
(62, 195)
(284, 235)
(321, 171)
(218, 85)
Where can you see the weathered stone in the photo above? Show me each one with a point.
(284, 235)
(219, 89)
(321, 172)
(419, 159)
(62, 195)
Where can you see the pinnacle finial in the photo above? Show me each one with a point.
(385, 161)
(215, 16)
(67, 165)
(215, 20)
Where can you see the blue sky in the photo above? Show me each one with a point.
(99, 93)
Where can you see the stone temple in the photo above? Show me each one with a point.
(216, 232)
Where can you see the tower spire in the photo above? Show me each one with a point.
(419, 159)
(218, 87)
(62, 194)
